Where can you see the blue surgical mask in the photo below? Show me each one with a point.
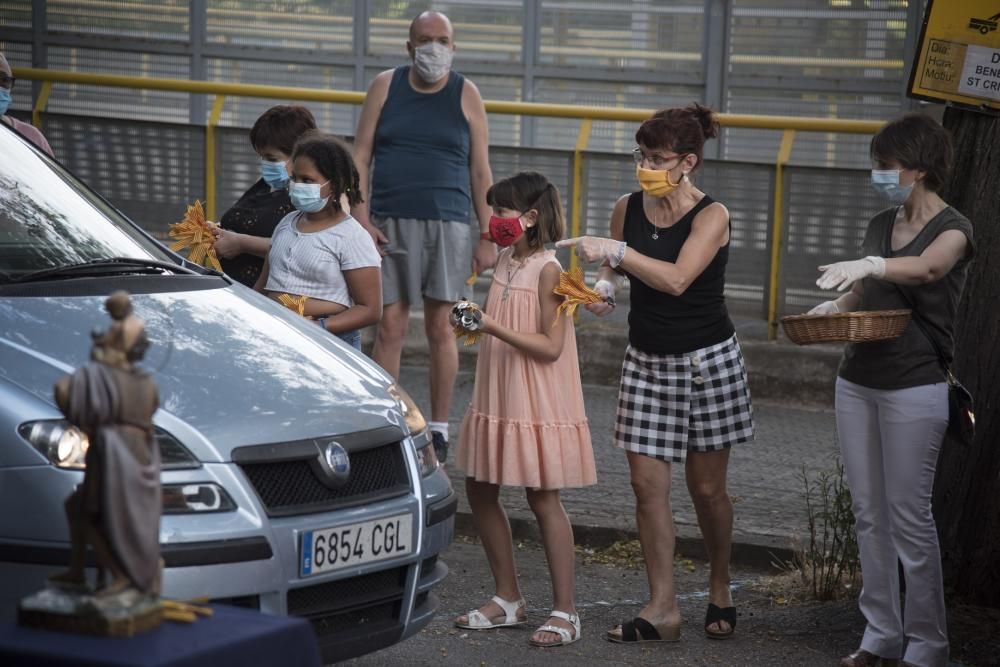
(274, 173)
(4, 100)
(306, 197)
(886, 183)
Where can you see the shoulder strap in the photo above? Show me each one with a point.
(917, 319)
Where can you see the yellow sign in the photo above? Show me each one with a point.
(959, 56)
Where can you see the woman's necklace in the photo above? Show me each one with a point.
(513, 272)
(656, 229)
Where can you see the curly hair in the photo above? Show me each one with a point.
(333, 160)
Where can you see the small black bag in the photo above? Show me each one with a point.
(961, 413)
(961, 417)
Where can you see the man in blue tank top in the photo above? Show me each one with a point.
(421, 149)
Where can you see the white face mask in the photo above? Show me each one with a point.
(432, 61)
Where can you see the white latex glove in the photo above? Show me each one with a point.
(825, 308)
(607, 291)
(843, 274)
(596, 249)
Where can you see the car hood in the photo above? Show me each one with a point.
(232, 367)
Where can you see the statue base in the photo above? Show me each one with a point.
(123, 614)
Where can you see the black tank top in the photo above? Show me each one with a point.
(661, 323)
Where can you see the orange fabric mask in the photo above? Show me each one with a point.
(655, 182)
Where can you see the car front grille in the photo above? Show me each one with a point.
(347, 623)
(293, 487)
(347, 593)
(371, 600)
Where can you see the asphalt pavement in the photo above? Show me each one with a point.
(765, 477)
(768, 631)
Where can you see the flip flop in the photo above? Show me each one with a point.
(640, 631)
(715, 614)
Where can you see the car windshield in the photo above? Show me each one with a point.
(49, 219)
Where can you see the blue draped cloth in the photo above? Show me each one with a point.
(230, 638)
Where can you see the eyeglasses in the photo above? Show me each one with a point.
(654, 160)
(7, 82)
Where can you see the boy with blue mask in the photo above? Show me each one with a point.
(28, 131)
(244, 235)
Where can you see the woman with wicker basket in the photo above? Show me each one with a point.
(684, 396)
(892, 395)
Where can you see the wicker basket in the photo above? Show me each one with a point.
(859, 327)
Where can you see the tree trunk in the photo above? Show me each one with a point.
(967, 488)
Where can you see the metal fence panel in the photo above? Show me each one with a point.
(305, 25)
(15, 14)
(605, 135)
(656, 39)
(814, 58)
(485, 30)
(153, 105)
(150, 171)
(828, 213)
(243, 111)
(167, 20)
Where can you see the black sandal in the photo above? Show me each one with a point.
(715, 614)
(639, 630)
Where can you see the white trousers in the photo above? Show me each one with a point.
(889, 441)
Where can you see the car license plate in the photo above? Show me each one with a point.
(335, 548)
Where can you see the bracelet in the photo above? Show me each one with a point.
(485, 236)
(321, 321)
(616, 259)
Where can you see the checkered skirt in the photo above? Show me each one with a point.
(670, 404)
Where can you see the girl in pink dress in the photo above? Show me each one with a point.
(526, 425)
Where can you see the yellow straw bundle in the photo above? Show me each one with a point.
(196, 233)
(296, 303)
(574, 292)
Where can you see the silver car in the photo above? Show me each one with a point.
(298, 479)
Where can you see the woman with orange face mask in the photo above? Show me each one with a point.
(683, 396)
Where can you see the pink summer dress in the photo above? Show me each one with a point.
(526, 424)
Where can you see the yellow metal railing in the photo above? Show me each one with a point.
(586, 114)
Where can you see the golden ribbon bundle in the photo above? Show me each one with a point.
(296, 303)
(183, 612)
(196, 233)
(574, 292)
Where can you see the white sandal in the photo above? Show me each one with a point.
(566, 638)
(477, 620)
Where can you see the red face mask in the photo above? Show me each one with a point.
(505, 231)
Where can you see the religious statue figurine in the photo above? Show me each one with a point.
(116, 509)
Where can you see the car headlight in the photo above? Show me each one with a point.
(411, 413)
(65, 446)
(427, 459)
(196, 498)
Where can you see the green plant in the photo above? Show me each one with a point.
(829, 563)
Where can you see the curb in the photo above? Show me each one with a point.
(758, 555)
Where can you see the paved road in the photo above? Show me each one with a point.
(765, 476)
(767, 633)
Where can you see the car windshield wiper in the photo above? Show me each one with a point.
(103, 267)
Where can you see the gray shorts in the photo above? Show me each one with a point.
(426, 259)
